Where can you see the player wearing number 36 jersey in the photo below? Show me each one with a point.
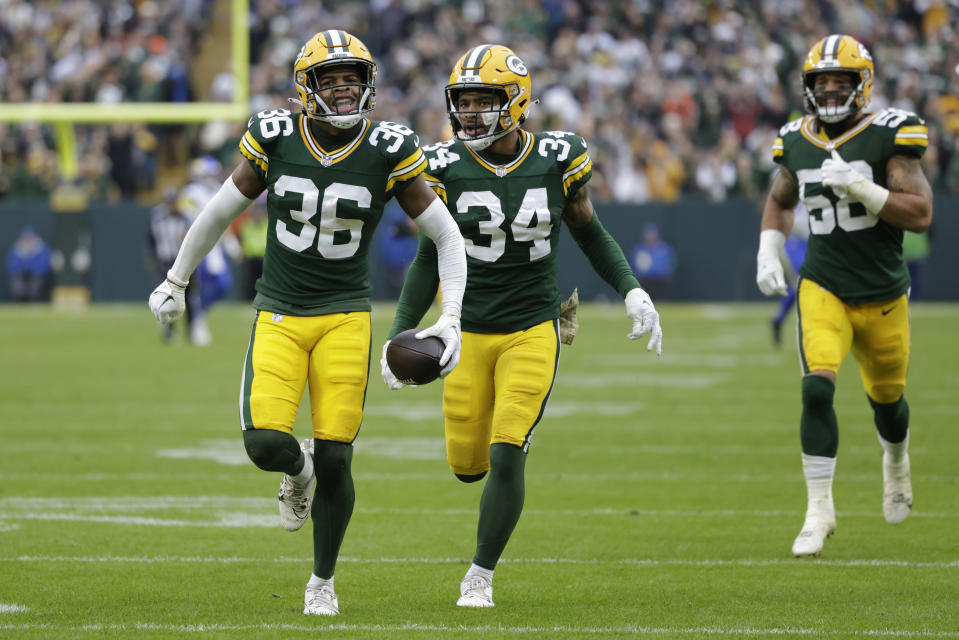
(858, 174)
(328, 172)
(508, 190)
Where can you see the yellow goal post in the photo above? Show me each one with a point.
(63, 115)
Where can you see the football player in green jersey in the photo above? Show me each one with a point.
(858, 173)
(508, 191)
(328, 172)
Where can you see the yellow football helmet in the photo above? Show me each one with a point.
(324, 50)
(838, 53)
(496, 69)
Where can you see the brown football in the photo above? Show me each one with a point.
(414, 361)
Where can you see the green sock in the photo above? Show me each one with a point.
(501, 504)
(818, 427)
(892, 420)
(332, 503)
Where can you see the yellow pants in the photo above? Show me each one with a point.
(497, 393)
(331, 351)
(877, 333)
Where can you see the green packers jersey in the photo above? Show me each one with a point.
(509, 216)
(852, 252)
(322, 208)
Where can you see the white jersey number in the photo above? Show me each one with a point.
(329, 223)
(531, 224)
(824, 216)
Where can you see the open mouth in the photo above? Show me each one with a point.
(474, 130)
(344, 104)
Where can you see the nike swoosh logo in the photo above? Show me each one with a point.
(885, 311)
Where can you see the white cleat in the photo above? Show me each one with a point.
(321, 602)
(820, 524)
(896, 489)
(475, 591)
(295, 502)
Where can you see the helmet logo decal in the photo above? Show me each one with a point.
(514, 64)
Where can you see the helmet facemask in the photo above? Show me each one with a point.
(496, 120)
(834, 105)
(314, 106)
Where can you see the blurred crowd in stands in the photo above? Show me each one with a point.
(675, 96)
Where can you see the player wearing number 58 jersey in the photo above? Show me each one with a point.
(328, 172)
(858, 173)
(509, 191)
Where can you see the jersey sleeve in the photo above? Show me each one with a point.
(401, 152)
(912, 137)
(787, 134)
(257, 144)
(577, 166)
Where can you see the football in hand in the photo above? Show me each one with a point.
(414, 361)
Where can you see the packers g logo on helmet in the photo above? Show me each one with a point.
(842, 54)
(497, 69)
(324, 50)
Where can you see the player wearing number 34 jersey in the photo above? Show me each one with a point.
(508, 191)
(328, 171)
(858, 174)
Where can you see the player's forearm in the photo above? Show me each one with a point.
(438, 225)
(212, 221)
(777, 217)
(605, 255)
(419, 288)
(909, 211)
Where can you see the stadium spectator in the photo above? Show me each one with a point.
(251, 231)
(29, 267)
(653, 260)
(682, 68)
(396, 247)
(916, 248)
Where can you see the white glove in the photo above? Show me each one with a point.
(387, 373)
(645, 319)
(769, 266)
(447, 329)
(568, 324)
(167, 301)
(846, 182)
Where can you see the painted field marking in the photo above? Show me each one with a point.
(486, 629)
(639, 562)
(12, 608)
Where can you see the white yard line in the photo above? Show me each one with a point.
(641, 562)
(460, 630)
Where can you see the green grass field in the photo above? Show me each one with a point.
(663, 494)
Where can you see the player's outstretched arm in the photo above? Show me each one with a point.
(433, 218)
(238, 191)
(607, 259)
(776, 224)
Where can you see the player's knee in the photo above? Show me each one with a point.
(817, 392)
(271, 450)
(507, 461)
(331, 460)
(470, 477)
(885, 393)
(891, 418)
